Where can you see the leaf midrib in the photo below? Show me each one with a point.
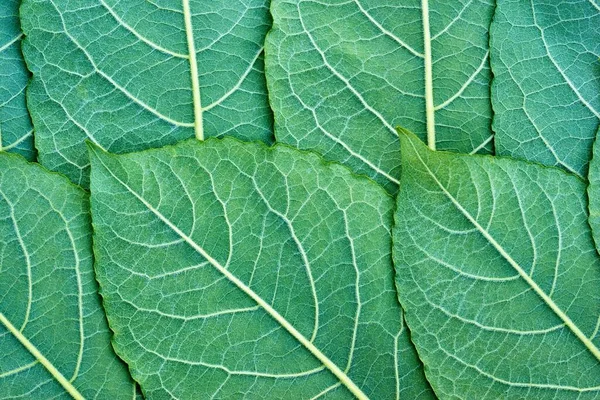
(330, 365)
(428, 71)
(189, 33)
(547, 299)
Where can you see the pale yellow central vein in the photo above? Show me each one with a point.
(429, 106)
(189, 33)
(40, 357)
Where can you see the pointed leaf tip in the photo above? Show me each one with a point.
(92, 147)
(410, 145)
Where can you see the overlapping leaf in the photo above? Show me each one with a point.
(15, 125)
(234, 270)
(546, 88)
(54, 340)
(498, 275)
(133, 74)
(343, 74)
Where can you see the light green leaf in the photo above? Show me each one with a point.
(546, 88)
(343, 74)
(498, 275)
(133, 74)
(54, 340)
(233, 270)
(16, 133)
(594, 192)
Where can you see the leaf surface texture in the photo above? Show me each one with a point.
(546, 88)
(231, 269)
(498, 275)
(343, 74)
(54, 339)
(133, 74)
(16, 132)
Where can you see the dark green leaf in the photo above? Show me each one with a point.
(343, 74)
(594, 192)
(546, 88)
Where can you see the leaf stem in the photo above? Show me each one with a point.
(40, 357)
(189, 33)
(429, 107)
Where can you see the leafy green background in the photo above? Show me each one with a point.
(207, 250)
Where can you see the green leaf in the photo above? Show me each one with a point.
(54, 339)
(546, 88)
(230, 270)
(129, 75)
(16, 133)
(594, 192)
(343, 74)
(498, 276)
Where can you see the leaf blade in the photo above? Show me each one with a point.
(303, 321)
(544, 92)
(593, 192)
(523, 300)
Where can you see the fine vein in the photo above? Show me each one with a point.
(189, 33)
(40, 357)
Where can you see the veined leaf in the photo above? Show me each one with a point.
(134, 74)
(343, 74)
(498, 275)
(54, 339)
(546, 88)
(231, 270)
(16, 133)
